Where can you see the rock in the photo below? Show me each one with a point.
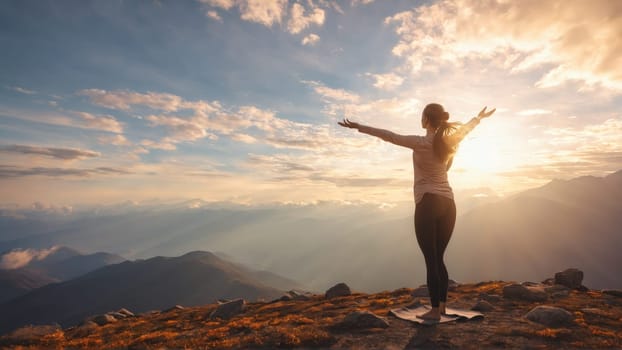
(421, 291)
(570, 278)
(126, 312)
(582, 288)
(294, 295)
(613, 292)
(452, 285)
(556, 288)
(176, 307)
(483, 305)
(549, 281)
(117, 315)
(103, 319)
(517, 291)
(223, 301)
(550, 316)
(363, 319)
(230, 309)
(491, 298)
(560, 294)
(338, 290)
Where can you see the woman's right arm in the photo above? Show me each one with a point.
(409, 141)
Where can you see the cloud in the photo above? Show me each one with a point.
(223, 4)
(7, 171)
(117, 140)
(17, 258)
(58, 153)
(101, 122)
(535, 111)
(123, 99)
(360, 2)
(165, 144)
(299, 22)
(22, 90)
(310, 39)
(214, 15)
(331, 93)
(569, 41)
(388, 81)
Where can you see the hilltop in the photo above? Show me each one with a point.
(315, 320)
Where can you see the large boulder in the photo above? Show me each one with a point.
(229, 309)
(550, 316)
(521, 292)
(363, 319)
(338, 290)
(570, 278)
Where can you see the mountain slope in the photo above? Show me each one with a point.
(14, 283)
(595, 322)
(576, 222)
(192, 279)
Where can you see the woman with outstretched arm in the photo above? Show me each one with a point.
(435, 209)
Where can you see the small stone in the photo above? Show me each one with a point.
(452, 285)
(363, 319)
(550, 316)
(483, 305)
(421, 291)
(174, 308)
(126, 312)
(613, 292)
(104, 319)
(299, 295)
(117, 315)
(570, 278)
(338, 290)
(230, 309)
(517, 291)
(560, 294)
(491, 298)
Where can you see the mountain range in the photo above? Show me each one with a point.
(573, 222)
(196, 278)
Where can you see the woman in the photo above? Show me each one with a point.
(435, 209)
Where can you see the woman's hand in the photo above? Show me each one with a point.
(348, 124)
(483, 114)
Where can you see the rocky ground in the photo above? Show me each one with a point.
(517, 315)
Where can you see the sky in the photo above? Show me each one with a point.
(238, 100)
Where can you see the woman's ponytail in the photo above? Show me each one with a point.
(438, 118)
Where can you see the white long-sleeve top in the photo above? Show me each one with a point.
(430, 173)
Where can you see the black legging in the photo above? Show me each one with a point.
(435, 217)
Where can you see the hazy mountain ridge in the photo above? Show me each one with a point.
(195, 278)
(36, 268)
(564, 223)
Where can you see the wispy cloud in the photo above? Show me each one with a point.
(388, 81)
(8, 171)
(17, 258)
(22, 90)
(311, 39)
(53, 152)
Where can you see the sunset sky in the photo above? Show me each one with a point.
(238, 100)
